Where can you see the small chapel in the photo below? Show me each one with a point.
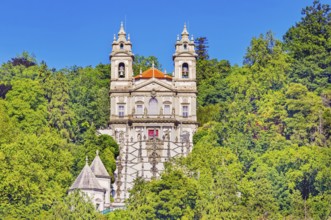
(94, 181)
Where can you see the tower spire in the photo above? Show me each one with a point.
(185, 32)
(121, 33)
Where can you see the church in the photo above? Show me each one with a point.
(152, 114)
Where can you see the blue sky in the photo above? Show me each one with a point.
(80, 32)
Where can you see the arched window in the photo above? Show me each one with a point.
(121, 46)
(153, 107)
(185, 70)
(121, 70)
(185, 46)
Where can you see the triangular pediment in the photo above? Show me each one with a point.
(153, 84)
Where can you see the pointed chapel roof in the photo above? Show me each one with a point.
(98, 168)
(86, 180)
(153, 73)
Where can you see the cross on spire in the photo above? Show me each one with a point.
(153, 68)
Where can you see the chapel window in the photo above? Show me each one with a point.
(185, 70)
(121, 70)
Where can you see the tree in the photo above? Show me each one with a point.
(25, 59)
(76, 205)
(308, 43)
(27, 105)
(88, 97)
(201, 48)
(142, 63)
(305, 113)
(174, 196)
(35, 171)
(60, 116)
(92, 142)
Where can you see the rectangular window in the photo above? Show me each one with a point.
(185, 111)
(140, 110)
(121, 111)
(166, 110)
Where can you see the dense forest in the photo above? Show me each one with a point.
(262, 151)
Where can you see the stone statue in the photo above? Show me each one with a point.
(145, 111)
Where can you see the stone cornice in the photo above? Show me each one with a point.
(151, 120)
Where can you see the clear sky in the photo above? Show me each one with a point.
(80, 32)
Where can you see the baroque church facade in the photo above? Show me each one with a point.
(153, 115)
(152, 118)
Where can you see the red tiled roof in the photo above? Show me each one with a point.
(152, 71)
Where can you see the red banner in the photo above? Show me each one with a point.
(151, 133)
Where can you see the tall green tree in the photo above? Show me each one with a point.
(201, 48)
(27, 105)
(308, 43)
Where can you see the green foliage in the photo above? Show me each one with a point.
(60, 116)
(27, 105)
(119, 214)
(46, 128)
(309, 44)
(172, 197)
(208, 113)
(201, 48)
(106, 145)
(88, 96)
(35, 170)
(262, 150)
(74, 206)
(212, 70)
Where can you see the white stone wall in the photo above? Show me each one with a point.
(105, 183)
(96, 197)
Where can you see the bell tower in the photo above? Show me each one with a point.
(121, 59)
(184, 59)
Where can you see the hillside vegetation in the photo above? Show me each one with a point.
(262, 151)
